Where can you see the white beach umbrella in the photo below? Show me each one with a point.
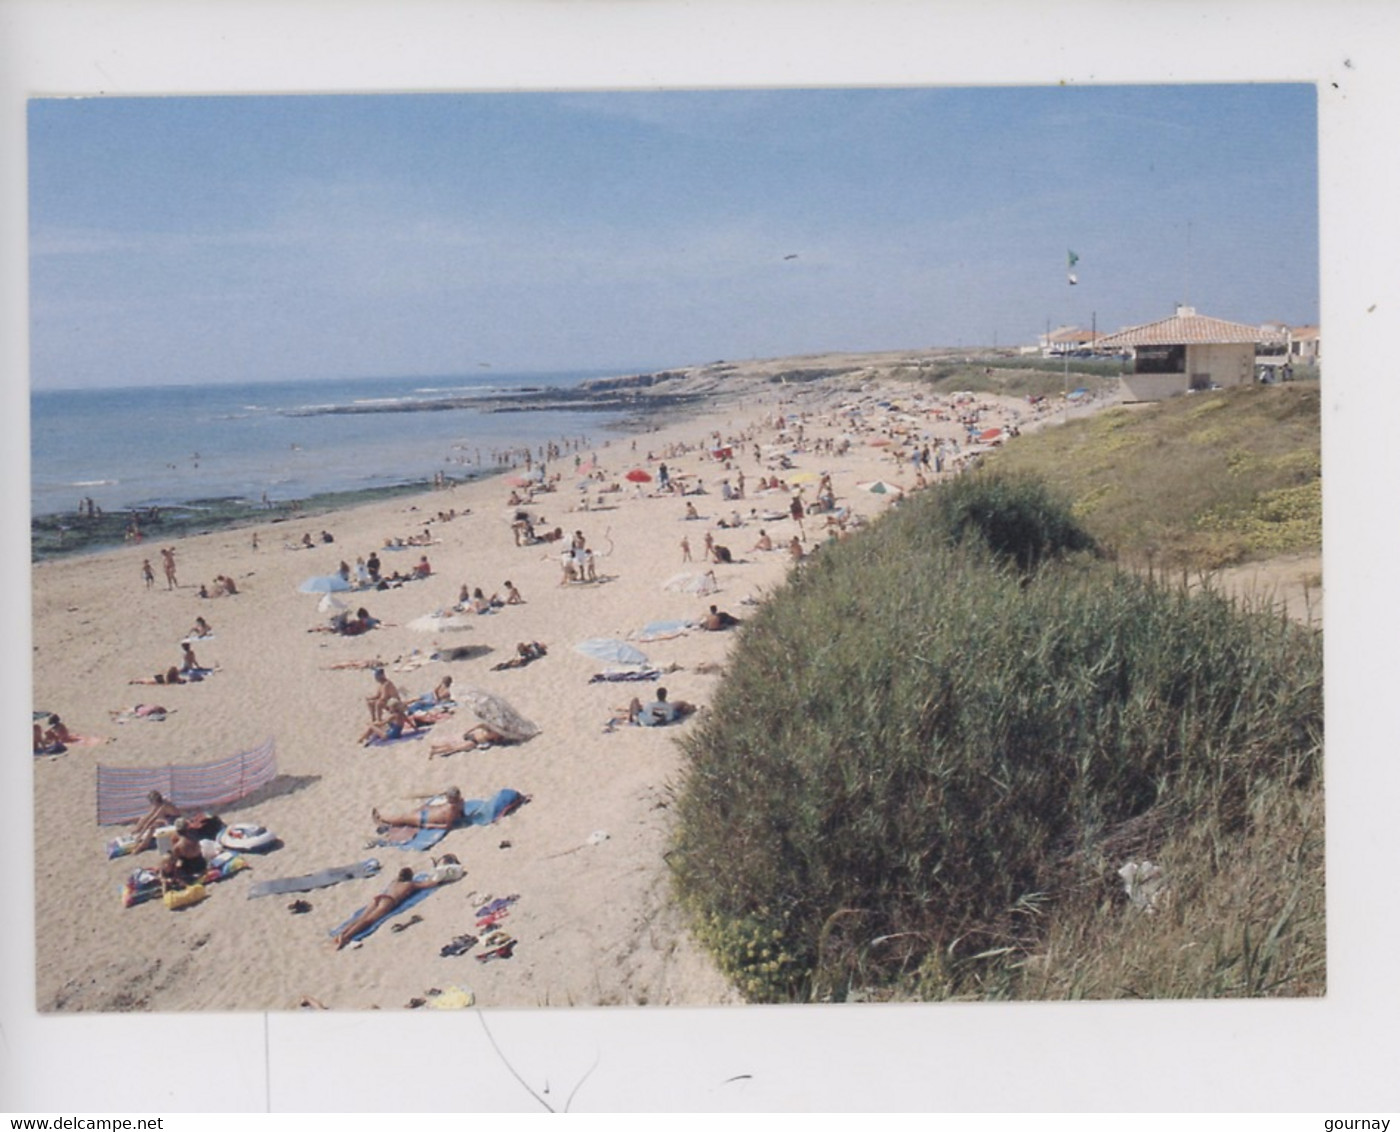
(612, 650)
(498, 715)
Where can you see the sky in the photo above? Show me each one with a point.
(179, 240)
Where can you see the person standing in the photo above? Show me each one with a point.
(148, 573)
(168, 554)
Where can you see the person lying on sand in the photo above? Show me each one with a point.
(443, 814)
(201, 629)
(384, 904)
(478, 736)
(525, 652)
(170, 676)
(658, 713)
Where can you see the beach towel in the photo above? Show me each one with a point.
(140, 711)
(408, 837)
(144, 884)
(664, 630)
(476, 811)
(375, 741)
(607, 648)
(323, 879)
(364, 933)
(623, 676)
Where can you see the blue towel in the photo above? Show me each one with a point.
(365, 933)
(477, 811)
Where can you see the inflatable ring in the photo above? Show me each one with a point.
(247, 837)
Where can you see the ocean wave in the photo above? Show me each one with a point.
(93, 483)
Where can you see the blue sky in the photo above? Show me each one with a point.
(187, 240)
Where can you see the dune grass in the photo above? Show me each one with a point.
(935, 748)
(1203, 481)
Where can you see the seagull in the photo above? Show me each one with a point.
(793, 256)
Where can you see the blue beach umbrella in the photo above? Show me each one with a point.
(329, 583)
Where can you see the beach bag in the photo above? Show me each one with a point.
(184, 897)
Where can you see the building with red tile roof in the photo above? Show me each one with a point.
(1188, 351)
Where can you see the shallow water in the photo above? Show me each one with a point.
(162, 446)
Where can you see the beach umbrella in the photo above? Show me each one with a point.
(696, 583)
(496, 713)
(325, 584)
(881, 487)
(611, 650)
(637, 475)
(440, 623)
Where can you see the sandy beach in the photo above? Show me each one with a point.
(593, 923)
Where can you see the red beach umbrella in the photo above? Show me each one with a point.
(637, 475)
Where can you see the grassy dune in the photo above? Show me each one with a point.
(938, 746)
(1201, 481)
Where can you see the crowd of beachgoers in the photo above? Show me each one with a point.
(364, 672)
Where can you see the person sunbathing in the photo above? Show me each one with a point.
(201, 629)
(717, 619)
(43, 745)
(383, 693)
(185, 863)
(392, 727)
(524, 654)
(384, 905)
(478, 736)
(170, 676)
(441, 813)
(189, 664)
(764, 542)
(162, 812)
(58, 731)
(658, 713)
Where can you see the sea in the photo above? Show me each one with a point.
(165, 446)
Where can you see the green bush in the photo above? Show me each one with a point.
(914, 737)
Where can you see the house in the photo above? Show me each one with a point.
(1187, 351)
(1305, 344)
(1067, 340)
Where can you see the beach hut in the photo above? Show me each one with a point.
(1188, 351)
